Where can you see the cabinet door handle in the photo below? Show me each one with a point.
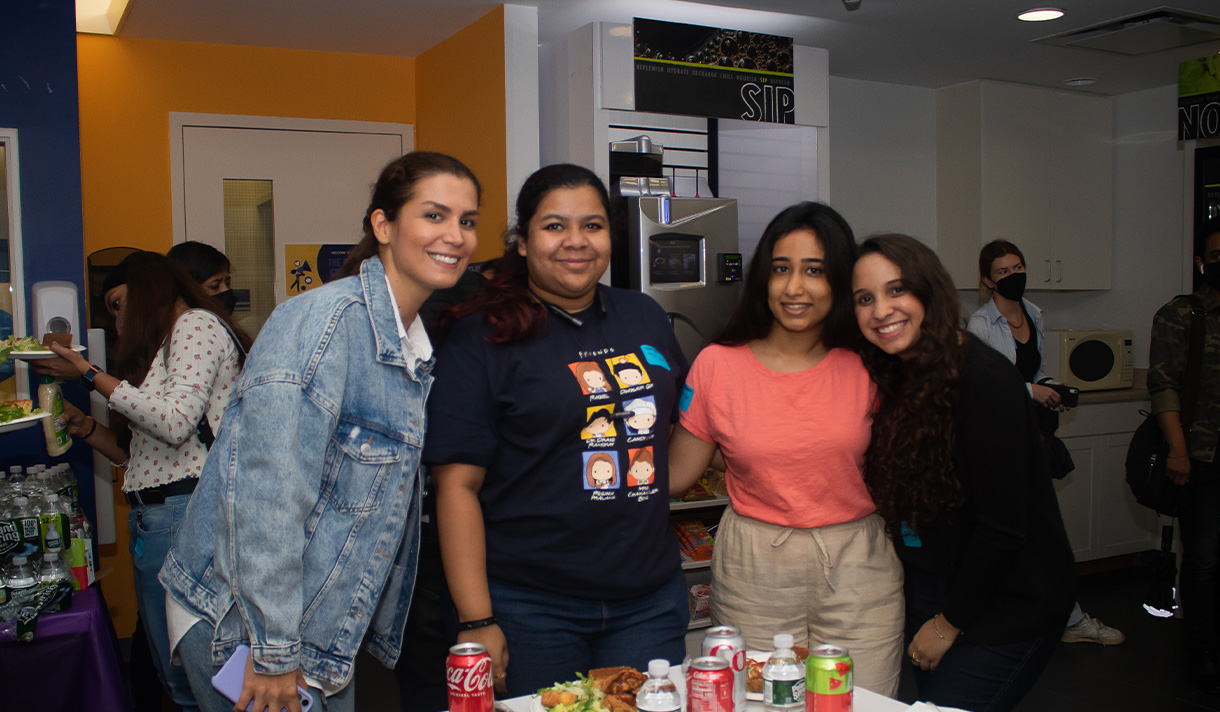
(1059, 264)
(1048, 271)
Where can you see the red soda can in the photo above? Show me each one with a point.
(709, 685)
(727, 642)
(468, 671)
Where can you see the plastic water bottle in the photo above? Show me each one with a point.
(20, 575)
(55, 574)
(53, 521)
(658, 693)
(25, 519)
(783, 678)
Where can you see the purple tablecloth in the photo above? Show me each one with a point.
(72, 664)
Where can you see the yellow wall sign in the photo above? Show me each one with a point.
(309, 266)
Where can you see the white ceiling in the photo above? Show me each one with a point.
(927, 43)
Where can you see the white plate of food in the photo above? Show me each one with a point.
(40, 354)
(603, 690)
(7, 409)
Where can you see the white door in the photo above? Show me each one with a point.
(316, 175)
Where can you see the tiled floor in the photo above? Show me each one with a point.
(1147, 673)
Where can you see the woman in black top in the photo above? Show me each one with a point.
(955, 467)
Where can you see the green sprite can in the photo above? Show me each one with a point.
(828, 679)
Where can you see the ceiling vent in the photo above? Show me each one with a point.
(1153, 31)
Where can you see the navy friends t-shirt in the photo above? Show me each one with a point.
(572, 428)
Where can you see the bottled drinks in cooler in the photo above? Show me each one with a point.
(783, 678)
(658, 693)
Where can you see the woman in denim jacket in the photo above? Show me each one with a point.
(302, 537)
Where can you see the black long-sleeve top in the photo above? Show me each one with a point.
(1008, 568)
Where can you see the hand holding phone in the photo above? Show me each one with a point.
(231, 678)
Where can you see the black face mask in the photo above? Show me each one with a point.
(1011, 287)
(227, 299)
(1211, 274)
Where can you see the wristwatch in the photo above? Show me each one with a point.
(87, 377)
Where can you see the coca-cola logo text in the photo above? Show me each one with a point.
(470, 680)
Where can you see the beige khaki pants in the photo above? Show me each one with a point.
(838, 584)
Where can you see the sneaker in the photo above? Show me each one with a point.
(1091, 630)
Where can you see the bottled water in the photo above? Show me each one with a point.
(20, 574)
(55, 574)
(658, 693)
(783, 678)
(25, 520)
(53, 522)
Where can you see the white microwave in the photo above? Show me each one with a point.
(1090, 359)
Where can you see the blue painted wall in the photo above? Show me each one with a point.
(38, 97)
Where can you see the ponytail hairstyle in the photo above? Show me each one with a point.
(506, 301)
(909, 467)
(394, 188)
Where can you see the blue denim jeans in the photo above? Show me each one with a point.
(195, 649)
(973, 676)
(552, 637)
(152, 531)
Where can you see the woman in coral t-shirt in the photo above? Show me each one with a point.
(801, 548)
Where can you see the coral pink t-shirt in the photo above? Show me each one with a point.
(794, 443)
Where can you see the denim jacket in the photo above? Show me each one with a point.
(304, 529)
(992, 328)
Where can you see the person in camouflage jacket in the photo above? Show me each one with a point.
(1192, 455)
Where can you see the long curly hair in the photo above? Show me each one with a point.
(910, 466)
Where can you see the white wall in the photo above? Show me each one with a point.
(883, 157)
(883, 178)
(1148, 243)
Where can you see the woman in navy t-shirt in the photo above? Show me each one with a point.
(558, 561)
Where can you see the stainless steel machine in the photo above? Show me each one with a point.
(680, 251)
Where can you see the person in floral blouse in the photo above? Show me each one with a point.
(177, 362)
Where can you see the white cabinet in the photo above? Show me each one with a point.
(1029, 165)
(1102, 517)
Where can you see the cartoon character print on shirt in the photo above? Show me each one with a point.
(591, 378)
(630, 374)
(641, 417)
(601, 468)
(599, 424)
(643, 469)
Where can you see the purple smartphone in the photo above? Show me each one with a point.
(229, 680)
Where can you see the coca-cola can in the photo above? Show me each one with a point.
(468, 671)
(709, 686)
(726, 642)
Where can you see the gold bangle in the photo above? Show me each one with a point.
(936, 629)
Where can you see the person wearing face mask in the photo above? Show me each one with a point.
(1192, 457)
(1012, 325)
(175, 368)
(210, 268)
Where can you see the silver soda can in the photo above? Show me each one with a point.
(725, 641)
(709, 686)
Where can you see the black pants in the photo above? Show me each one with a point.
(1200, 522)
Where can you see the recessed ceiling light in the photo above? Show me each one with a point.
(1040, 14)
(1079, 82)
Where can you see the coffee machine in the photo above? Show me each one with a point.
(681, 251)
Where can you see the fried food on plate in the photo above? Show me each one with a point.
(609, 689)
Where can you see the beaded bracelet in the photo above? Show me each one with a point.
(936, 629)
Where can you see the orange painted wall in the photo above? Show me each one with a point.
(460, 107)
(127, 89)
(129, 86)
